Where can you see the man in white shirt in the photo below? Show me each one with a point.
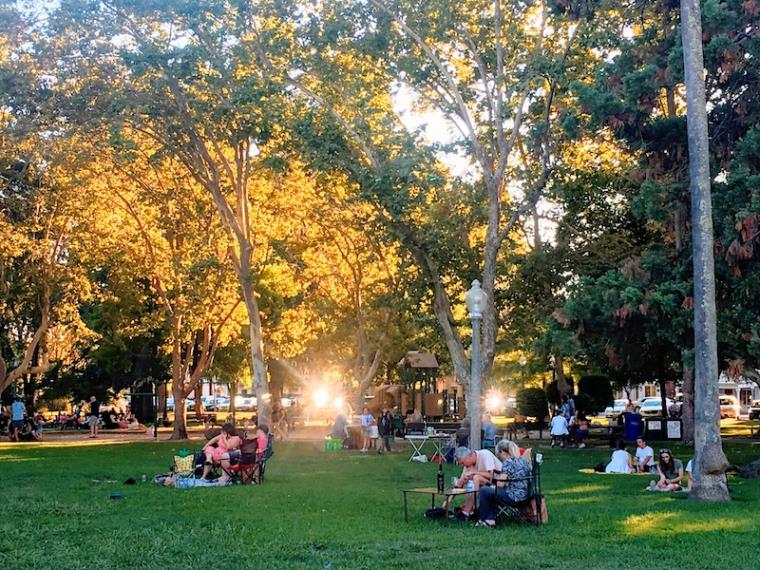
(644, 456)
(559, 429)
(478, 467)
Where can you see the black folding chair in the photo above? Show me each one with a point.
(514, 509)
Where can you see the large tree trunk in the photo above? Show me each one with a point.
(709, 460)
(364, 376)
(687, 411)
(25, 367)
(563, 386)
(258, 364)
(179, 429)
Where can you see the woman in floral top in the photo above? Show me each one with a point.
(511, 484)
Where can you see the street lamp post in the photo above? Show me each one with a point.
(475, 300)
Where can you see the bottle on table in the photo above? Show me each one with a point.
(440, 477)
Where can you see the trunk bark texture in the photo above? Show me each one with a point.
(258, 363)
(179, 430)
(559, 374)
(709, 460)
(687, 411)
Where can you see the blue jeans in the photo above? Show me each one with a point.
(488, 497)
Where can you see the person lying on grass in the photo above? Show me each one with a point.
(478, 468)
(221, 449)
(511, 483)
(671, 472)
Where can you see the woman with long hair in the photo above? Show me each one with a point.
(670, 470)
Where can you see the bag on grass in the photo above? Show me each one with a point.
(529, 509)
(435, 513)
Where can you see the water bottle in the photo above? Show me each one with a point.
(440, 478)
(470, 486)
(144, 478)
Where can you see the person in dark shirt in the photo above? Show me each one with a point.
(385, 430)
(93, 417)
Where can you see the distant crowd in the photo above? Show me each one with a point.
(22, 423)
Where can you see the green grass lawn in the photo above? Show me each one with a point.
(344, 510)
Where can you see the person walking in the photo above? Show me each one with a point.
(93, 417)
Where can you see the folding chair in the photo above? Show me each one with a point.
(244, 471)
(184, 466)
(514, 509)
(261, 464)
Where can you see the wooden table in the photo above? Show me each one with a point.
(433, 492)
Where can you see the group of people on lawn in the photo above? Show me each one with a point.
(568, 425)
(225, 448)
(670, 471)
(500, 477)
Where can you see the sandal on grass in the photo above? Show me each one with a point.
(484, 524)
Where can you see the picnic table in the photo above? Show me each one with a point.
(418, 441)
(433, 492)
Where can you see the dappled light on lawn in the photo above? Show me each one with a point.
(669, 524)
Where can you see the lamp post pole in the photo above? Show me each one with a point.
(475, 300)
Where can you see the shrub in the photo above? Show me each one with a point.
(531, 402)
(585, 404)
(599, 389)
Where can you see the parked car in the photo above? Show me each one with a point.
(245, 403)
(170, 404)
(617, 408)
(754, 410)
(216, 403)
(729, 407)
(652, 406)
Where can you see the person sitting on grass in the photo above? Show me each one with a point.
(221, 449)
(478, 468)
(559, 431)
(511, 483)
(622, 462)
(581, 432)
(644, 456)
(670, 470)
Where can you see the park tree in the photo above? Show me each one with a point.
(638, 95)
(176, 74)
(489, 70)
(41, 235)
(183, 256)
(710, 462)
(360, 288)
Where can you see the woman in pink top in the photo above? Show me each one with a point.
(218, 449)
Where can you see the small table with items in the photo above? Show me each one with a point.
(433, 492)
(418, 442)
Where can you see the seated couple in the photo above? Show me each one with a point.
(509, 471)
(225, 449)
(623, 462)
